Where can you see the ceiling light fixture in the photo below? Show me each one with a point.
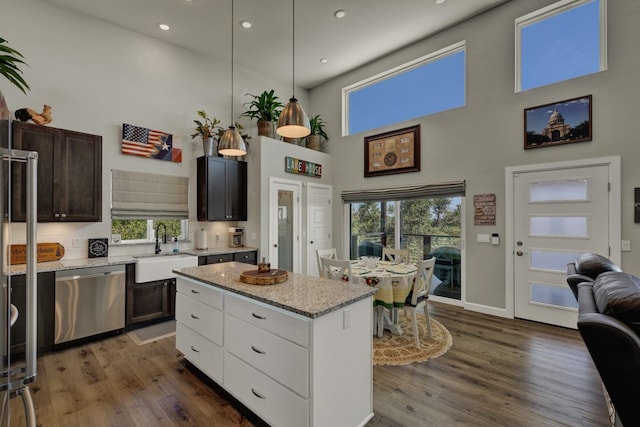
(324, 60)
(293, 121)
(440, 1)
(164, 27)
(340, 13)
(231, 143)
(246, 24)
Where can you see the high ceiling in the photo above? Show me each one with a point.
(370, 29)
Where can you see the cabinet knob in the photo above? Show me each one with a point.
(193, 316)
(194, 291)
(195, 349)
(64, 215)
(253, 390)
(57, 215)
(257, 350)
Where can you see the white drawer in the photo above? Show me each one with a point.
(272, 402)
(282, 360)
(286, 325)
(198, 350)
(205, 320)
(203, 293)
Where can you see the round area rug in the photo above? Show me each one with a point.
(393, 349)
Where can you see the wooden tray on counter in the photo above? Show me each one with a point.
(253, 277)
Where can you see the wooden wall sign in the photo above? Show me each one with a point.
(485, 209)
(45, 252)
(302, 167)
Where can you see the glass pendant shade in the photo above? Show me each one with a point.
(231, 143)
(293, 121)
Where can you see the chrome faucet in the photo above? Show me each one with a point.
(164, 240)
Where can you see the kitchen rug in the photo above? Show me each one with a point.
(393, 349)
(153, 333)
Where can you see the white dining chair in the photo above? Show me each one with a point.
(325, 253)
(336, 269)
(419, 296)
(395, 255)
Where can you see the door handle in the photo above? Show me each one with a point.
(275, 245)
(311, 242)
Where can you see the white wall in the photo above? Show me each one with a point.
(476, 142)
(97, 76)
(270, 155)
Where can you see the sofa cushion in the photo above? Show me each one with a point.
(592, 265)
(617, 295)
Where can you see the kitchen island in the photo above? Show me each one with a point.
(297, 353)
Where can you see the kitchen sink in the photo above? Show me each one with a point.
(161, 266)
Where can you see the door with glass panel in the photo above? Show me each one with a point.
(557, 215)
(284, 224)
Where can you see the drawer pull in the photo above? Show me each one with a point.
(194, 291)
(195, 349)
(257, 316)
(193, 316)
(253, 390)
(257, 350)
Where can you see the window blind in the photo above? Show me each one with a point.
(442, 189)
(138, 195)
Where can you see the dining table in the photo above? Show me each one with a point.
(394, 281)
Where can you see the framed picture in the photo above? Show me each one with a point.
(563, 122)
(392, 152)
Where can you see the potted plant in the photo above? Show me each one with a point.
(209, 131)
(317, 132)
(10, 59)
(265, 108)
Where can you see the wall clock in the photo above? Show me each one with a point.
(98, 248)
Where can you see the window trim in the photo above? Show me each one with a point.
(547, 12)
(407, 66)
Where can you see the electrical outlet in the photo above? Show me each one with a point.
(346, 318)
(625, 245)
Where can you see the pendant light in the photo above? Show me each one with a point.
(231, 143)
(293, 121)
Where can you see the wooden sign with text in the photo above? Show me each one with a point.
(45, 252)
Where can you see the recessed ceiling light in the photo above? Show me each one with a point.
(246, 24)
(324, 60)
(340, 13)
(164, 27)
(440, 1)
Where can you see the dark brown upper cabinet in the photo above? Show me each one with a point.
(221, 189)
(69, 174)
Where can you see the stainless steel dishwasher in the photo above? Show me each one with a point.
(89, 301)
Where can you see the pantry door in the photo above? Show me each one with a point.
(284, 224)
(558, 214)
(318, 223)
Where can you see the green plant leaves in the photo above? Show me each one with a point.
(9, 61)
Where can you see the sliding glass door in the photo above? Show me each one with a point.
(427, 227)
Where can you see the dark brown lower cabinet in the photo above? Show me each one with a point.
(150, 301)
(46, 313)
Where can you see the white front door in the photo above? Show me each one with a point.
(284, 224)
(558, 214)
(318, 223)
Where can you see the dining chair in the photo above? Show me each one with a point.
(325, 253)
(395, 255)
(336, 269)
(419, 295)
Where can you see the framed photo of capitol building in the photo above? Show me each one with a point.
(562, 122)
(392, 152)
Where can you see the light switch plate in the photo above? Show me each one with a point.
(625, 245)
(483, 238)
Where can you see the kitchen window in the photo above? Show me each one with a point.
(143, 230)
(430, 84)
(562, 41)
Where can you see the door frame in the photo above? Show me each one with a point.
(297, 216)
(310, 255)
(615, 227)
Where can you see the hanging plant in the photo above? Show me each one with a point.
(10, 59)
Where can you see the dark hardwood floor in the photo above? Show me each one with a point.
(499, 372)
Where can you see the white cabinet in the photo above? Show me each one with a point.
(289, 369)
(199, 328)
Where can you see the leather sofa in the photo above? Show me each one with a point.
(609, 323)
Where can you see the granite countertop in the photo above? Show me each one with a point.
(70, 264)
(305, 295)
